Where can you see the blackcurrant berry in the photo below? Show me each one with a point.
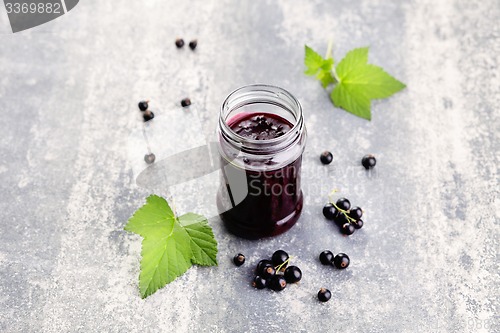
(341, 219)
(356, 213)
(348, 229)
(343, 204)
(143, 105)
(324, 295)
(148, 115)
(358, 224)
(185, 102)
(326, 157)
(279, 257)
(179, 42)
(268, 271)
(149, 158)
(326, 257)
(239, 259)
(277, 283)
(292, 274)
(330, 212)
(259, 282)
(260, 266)
(193, 44)
(368, 161)
(341, 261)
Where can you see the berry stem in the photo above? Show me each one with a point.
(345, 212)
(331, 194)
(329, 49)
(329, 55)
(278, 268)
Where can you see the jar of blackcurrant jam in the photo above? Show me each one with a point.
(261, 138)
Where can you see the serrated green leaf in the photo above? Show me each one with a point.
(361, 82)
(327, 64)
(169, 248)
(164, 259)
(353, 59)
(325, 78)
(203, 243)
(372, 81)
(355, 103)
(155, 217)
(312, 60)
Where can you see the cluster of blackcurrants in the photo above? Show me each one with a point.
(348, 219)
(274, 273)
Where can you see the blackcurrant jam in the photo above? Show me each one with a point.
(261, 137)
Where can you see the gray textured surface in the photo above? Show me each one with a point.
(427, 257)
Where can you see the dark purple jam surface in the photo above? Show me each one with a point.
(259, 126)
(274, 200)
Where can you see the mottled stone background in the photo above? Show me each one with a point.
(426, 260)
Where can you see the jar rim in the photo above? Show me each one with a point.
(295, 108)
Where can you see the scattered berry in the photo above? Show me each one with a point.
(259, 282)
(358, 224)
(348, 228)
(179, 42)
(326, 257)
(368, 161)
(193, 44)
(356, 213)
(292, 274)
(343, 204)
(143, 105)
(326, 157)
(185, 102)
(148, 115)
(341, 261)
(277, 283)
(149, 158)
(279, 257)
(324, 295)
(239, 259)
(330, 212)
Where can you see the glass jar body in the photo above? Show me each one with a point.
(260, 193)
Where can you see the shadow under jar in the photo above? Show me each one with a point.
(261, 138)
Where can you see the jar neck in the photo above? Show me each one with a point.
(265, 98)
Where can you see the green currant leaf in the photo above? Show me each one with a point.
(164, 259)
(327, 65)
(170, 245)
(357, 82)
(352, 59)
(356, 103)
(313, 61)
(155, 216)
(203, 243)
(361, 82)
(325, 78)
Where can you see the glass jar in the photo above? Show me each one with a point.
(261, 138)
